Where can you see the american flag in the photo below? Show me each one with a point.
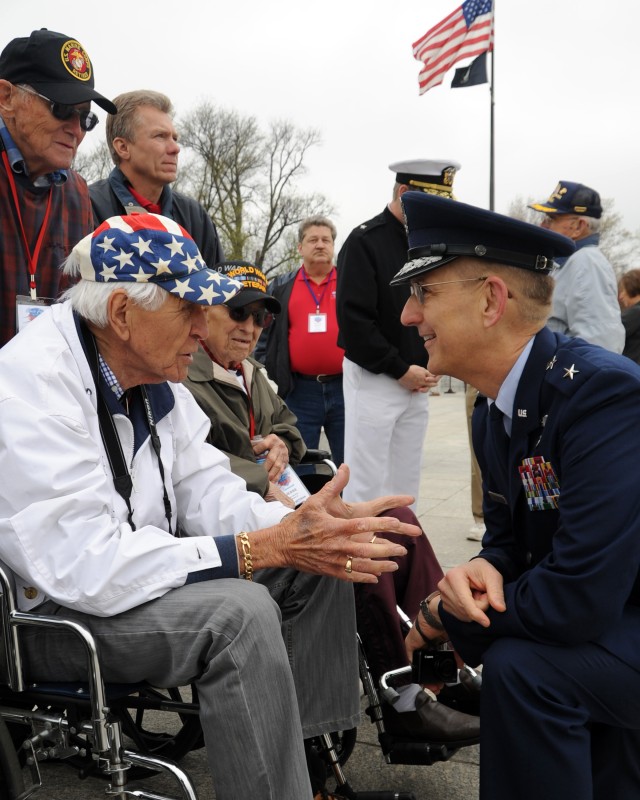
(465, 33)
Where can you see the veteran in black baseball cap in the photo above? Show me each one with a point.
(475, 277)
(46, 91)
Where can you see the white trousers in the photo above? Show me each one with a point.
(385, 426)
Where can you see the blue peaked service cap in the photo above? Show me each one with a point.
(440, 230)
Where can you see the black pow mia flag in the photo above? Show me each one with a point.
(473, 74)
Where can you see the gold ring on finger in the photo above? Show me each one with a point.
(348, 566)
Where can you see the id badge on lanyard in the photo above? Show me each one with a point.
(28, 308)
(317, 323)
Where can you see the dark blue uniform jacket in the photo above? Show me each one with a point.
(571, 573)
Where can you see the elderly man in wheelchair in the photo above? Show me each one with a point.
(117, 515)
(254, 427)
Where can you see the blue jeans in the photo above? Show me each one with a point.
(319, 405)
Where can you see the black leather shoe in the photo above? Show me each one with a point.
(433, 722)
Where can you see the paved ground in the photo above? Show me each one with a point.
(444, 512)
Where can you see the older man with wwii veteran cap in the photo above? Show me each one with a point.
(238, 399)
(385, 376)
(585, 298)
(46, 90)
(150, 562)
(551, 605)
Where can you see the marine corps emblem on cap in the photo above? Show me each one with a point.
(76, 60)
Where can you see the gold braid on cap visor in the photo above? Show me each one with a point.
(434, 188)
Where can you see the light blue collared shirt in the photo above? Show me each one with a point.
(507, 393)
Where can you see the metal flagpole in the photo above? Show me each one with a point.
(491, 135)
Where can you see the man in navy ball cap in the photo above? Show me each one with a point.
(46, 91)
(551, 604)
(585, 298)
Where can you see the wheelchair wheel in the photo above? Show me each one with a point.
(11, 778)
(159, 728)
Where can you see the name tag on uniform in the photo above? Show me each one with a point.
(317, 323)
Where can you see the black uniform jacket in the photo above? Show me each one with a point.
(368, 308)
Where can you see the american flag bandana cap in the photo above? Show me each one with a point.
(149, 248)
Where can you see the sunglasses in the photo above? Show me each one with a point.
(88, 120)
(261, 317)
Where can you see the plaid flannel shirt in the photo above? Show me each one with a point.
(70, 219)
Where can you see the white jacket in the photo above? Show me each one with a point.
(63, 527)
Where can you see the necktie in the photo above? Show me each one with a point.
(498, 441)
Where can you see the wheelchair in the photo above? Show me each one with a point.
(83, 725)
(336, 748)
(87, 725)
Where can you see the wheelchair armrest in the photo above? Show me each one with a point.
(315, 457)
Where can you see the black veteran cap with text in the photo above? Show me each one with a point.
(254, 285)
(440, 231)
(55, 65)
(434, 176)
(571, 198)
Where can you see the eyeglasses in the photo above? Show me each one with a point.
(261, 317)
(421, 290)
(88, 120)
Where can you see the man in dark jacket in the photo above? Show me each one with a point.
(144, 147)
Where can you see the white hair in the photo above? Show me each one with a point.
(594, 224)
(90, 298)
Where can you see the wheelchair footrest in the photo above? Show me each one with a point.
(413, 751)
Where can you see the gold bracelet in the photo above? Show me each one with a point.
(246, 555)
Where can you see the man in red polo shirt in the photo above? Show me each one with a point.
(300, 350)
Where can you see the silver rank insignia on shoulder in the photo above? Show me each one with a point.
(569, 372)
(551, 364)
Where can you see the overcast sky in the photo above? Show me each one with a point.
(566, 97)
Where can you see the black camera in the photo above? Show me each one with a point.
(434, 666)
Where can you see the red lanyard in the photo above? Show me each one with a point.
(32, 257)
(252, 420)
